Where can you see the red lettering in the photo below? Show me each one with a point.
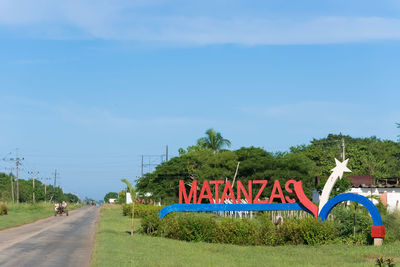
(240, 188)
(205, 187)
(287, 188)
(264, 184)
(192, 193)
(227, 188)
(277, 186)
(216, 183)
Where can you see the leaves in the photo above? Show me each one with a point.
(213, 140)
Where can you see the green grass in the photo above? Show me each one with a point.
(23, 213)
(115, 247)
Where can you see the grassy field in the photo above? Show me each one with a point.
(23, 213)
(115, 247)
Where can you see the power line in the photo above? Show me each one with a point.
(17, 161)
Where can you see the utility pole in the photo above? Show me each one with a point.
(166, 154)
(343, 150)
(45, 188)
(17, 164)
(33, 185)
(55, 183)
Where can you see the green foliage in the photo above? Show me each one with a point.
(110, 195)
(201, 165)
(208, 228)
(398, 126)
(213, 141)
(122, 197)
(344, 219)
(141, 210)
(392, 225)
(369, 156)
(382, 262)
(3, 209)
(26, 190)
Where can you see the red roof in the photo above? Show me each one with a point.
(356, 181)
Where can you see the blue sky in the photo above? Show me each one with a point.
(88, 86)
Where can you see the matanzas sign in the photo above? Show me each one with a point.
(189, 200)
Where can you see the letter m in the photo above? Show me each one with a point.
(192, 193)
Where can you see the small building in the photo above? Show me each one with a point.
(112, 200)
(386, 189)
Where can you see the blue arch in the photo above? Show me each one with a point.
(231, 207)
(373, 211)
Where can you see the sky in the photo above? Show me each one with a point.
(87, 87)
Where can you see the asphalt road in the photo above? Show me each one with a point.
(55, 241)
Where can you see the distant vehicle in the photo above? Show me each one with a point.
(92, 203)
(60, 209)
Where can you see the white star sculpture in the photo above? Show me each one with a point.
(337, 172)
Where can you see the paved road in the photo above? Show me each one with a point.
(55, 241)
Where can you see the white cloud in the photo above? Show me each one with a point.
(141, 21)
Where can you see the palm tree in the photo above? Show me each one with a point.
(133, 196)
(213, 140)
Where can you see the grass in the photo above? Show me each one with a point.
(115, 247)
(23, 213)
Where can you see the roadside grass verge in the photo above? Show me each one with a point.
(23, 213)
(115, 247)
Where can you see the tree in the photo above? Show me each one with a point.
(110, 195)
(213, 140)
(122, 197)
(132, 191)
(398, 126)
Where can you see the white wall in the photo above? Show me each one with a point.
(128, 198)
(393, 195)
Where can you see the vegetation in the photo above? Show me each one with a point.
(19, 214)
(256, 232)
(369, 156)
(398, 126)
(349, 226)
(8, 181)
(110, 195)
(141, 210)
(213, 141)
(3, 209)
(114, 247)
(132, 191)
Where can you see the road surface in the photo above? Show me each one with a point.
(55, 241)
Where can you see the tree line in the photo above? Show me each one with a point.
(209, 159)
(42, 192)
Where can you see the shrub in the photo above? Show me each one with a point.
(3, 209)
(141, 210)
(260, 231)
(343, 218)
(392, 224)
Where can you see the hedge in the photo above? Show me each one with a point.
(141, 210)
(260, 231)
(3, 209)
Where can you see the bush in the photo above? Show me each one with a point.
(3, 209)
(392, 225)
(343, 218)
(260, 231)
(141, 210)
